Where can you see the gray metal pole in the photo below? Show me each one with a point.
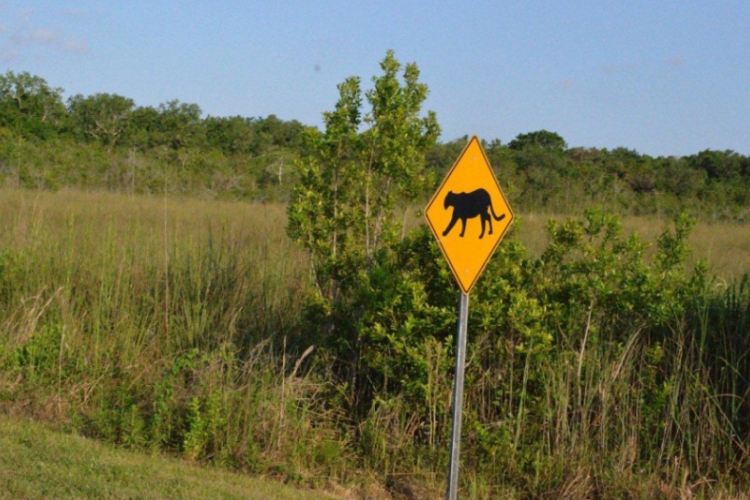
(458, 396)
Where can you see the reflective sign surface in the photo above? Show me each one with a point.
(469, 215)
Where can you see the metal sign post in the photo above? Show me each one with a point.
(471, 195)
(458, 395)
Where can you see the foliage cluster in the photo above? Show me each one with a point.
(582, 360)
(106, 141)
(593, 371)
(540, 171)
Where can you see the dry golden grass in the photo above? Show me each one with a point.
(26, 215)
(152, 227)
(26, 210)
(726, 246)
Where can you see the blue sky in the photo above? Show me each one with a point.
(661, 77)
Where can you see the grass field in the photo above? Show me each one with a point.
(165, 325)
(725, 246)
(38, 463)
(260, 227)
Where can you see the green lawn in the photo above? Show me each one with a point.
(38, 463)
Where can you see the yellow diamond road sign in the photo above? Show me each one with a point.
(469, 215)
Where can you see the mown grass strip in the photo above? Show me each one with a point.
(38, 463)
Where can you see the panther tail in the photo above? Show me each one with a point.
(492, 209)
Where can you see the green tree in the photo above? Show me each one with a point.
(342, 209)
(541, 166)
(275, 132)
(539, 139)
(28, 105)
(718, 165)
(232, 135)
(145, 128)
(101, 117)
(180, 124)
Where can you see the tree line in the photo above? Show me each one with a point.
(540, 172)
(106, 141)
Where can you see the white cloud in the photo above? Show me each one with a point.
(79, 14)
(75, 46)
(26, 14)
(24, 34)
(8, 55)
(42, 35)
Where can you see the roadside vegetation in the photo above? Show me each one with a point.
(38, 463)
(277, 310)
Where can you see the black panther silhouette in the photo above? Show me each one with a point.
(470, 205)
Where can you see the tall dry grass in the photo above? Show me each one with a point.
(176, 325)
(162, 323)
(724, 245)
